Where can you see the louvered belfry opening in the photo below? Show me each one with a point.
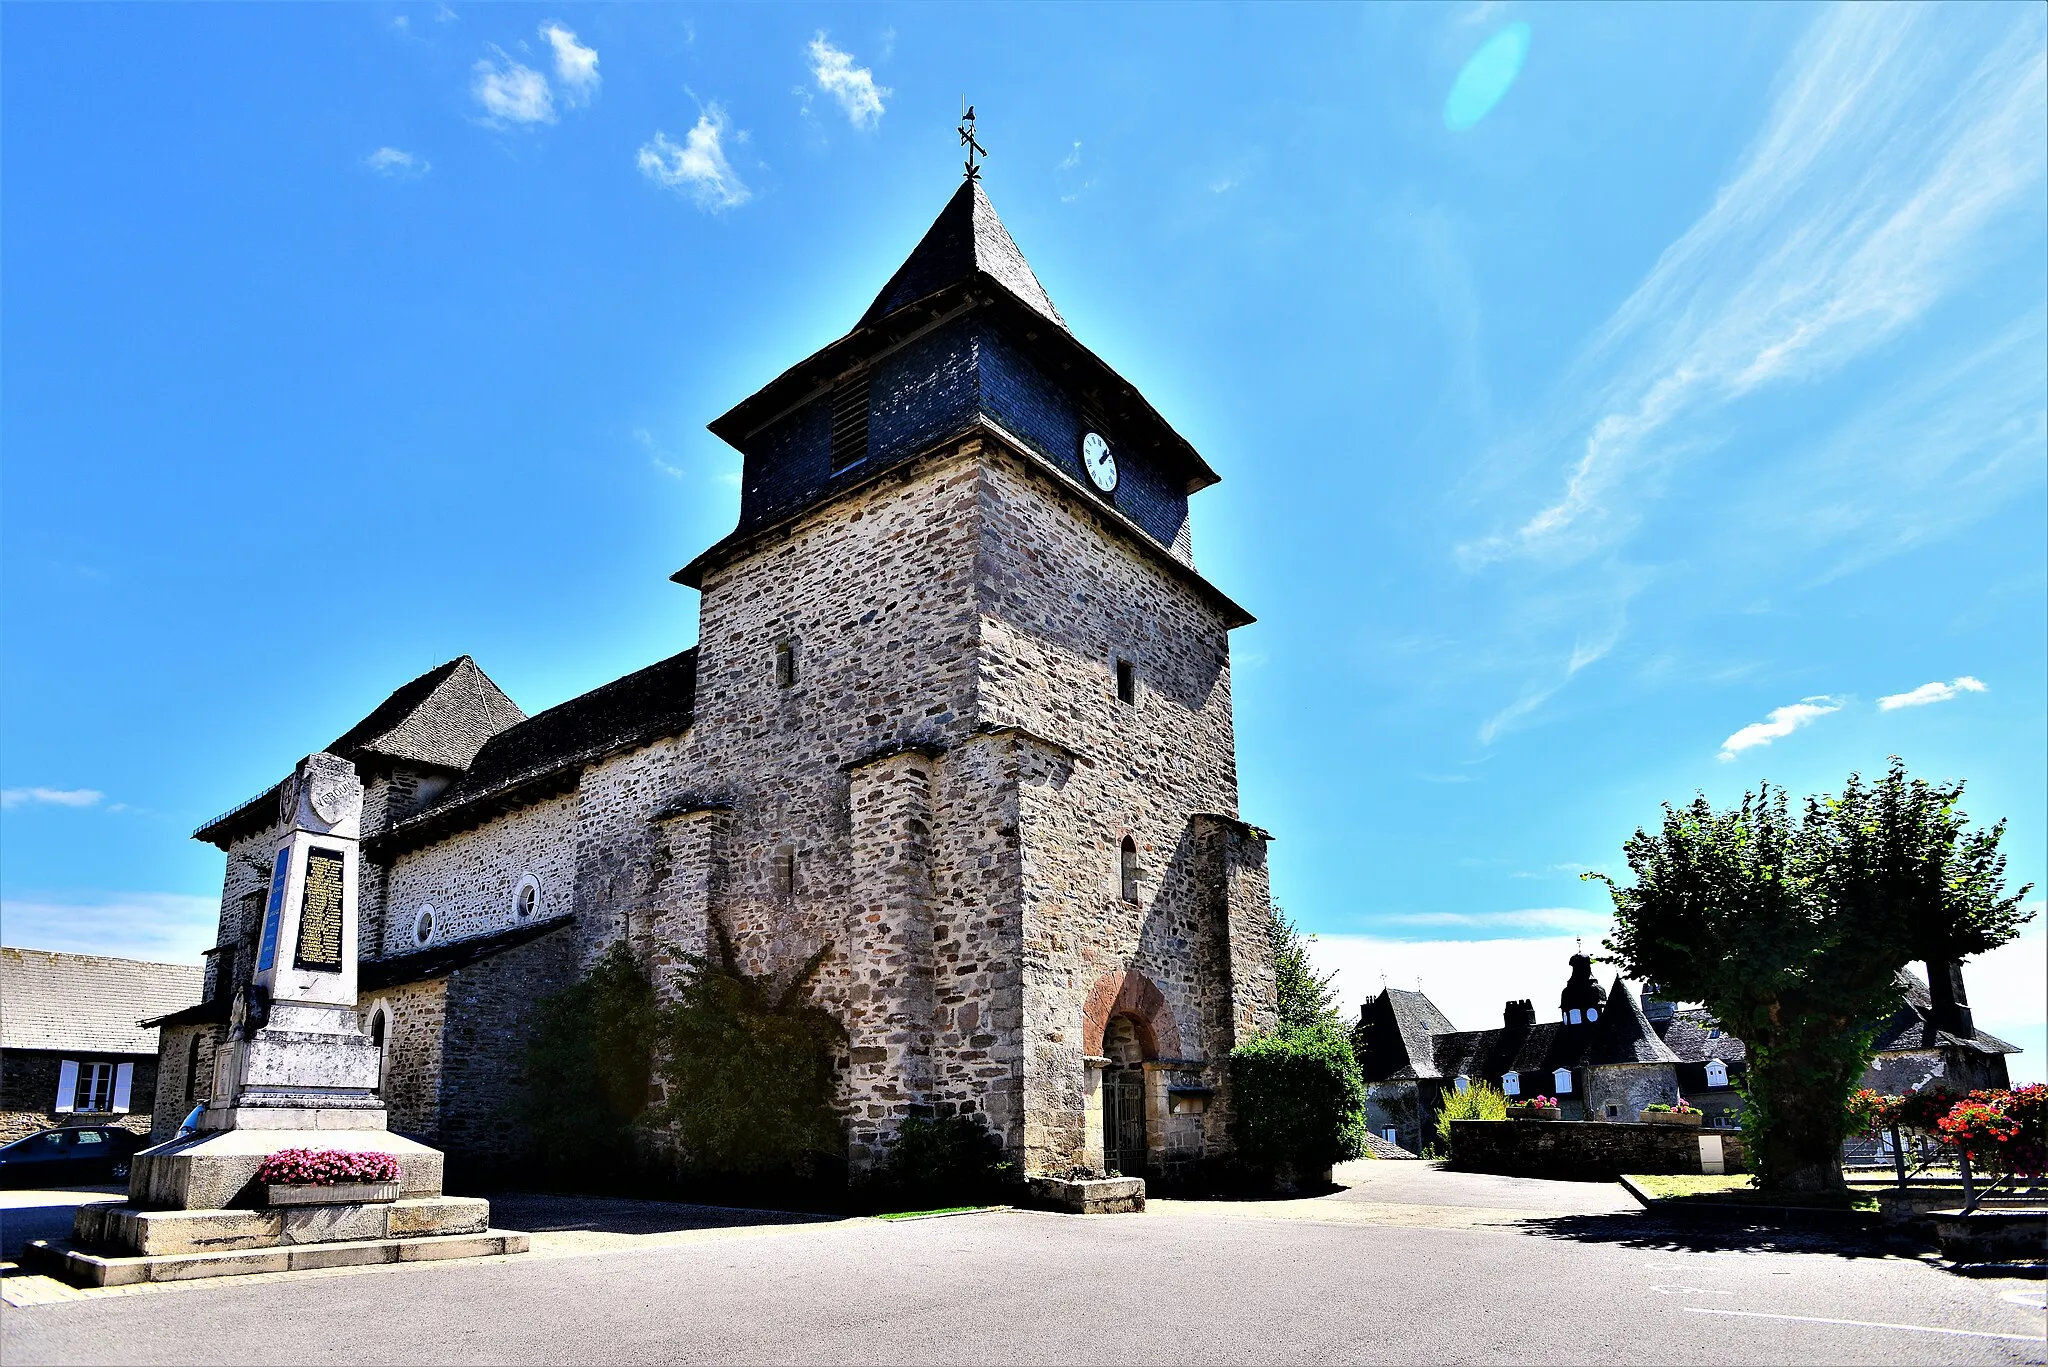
(850, 419)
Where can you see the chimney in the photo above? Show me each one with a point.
(1519, 1013)
(1951, 1002)
(1655, 1005)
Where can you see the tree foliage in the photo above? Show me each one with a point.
(1298, 1100)
(747, 1069)
(589, 1066)
(1307, 998)
(1480, 1100)
(1792, 930)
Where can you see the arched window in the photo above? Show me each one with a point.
(1511, 1083)
(380, 1029)
(1128, 869)
(1717, 1073)
(423, 926)
(1562, 1080)
(192, 1092)
(526, 898)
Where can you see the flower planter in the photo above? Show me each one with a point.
(1535, 1112)
(331, 1193)
(1688, 1119)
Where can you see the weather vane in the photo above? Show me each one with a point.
(974, 149)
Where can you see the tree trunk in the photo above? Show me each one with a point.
(1795, 1126)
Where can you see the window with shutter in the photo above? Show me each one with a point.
(124, 1087)
(67, 1086)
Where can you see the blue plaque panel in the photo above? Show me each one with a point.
(266, 952)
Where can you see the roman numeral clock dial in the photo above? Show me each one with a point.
(1099, 463)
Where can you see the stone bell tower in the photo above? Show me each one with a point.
(963, 720)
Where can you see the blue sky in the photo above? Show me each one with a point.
(1612, 402)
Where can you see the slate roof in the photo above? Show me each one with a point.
(967, 239)
(546, 753)
(442, 718)
(1623, 1033)
(1394, 1035)
(439, 720)
(1689, 1035)
(86, 1002)
(1912, 1026)
(439, 961)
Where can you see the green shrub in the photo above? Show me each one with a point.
(1479, 1101)
(589, 1067)
(1298, 1100)
(748, 1071)
(950, 1160)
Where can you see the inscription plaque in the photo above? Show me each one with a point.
(320, 912)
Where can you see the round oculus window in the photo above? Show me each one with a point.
(423, 925)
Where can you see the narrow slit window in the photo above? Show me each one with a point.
(850, 420)
(1127, 869)
(782, 871)
(785, 664)
(1126, 682)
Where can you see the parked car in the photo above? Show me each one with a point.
(75, 1153)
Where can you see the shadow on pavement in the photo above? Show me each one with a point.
(1726, 1234)
(549, 1213)
(30, 1215)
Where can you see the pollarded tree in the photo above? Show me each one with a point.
(1792, 932)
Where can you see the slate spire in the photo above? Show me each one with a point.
(1624, 1034)
(966, 240)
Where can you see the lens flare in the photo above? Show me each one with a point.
(1486, 77)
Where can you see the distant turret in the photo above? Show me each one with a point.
(1519, 1013)
(1582, 999)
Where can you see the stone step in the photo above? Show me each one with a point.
(81, 1268)
(125, 1230)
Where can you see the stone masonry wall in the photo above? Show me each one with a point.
(1580, 1151)
(1064, 599)
(415, 1018)
(184, 1073)
(1620, 1091)
(469, 879)
(490, 1019)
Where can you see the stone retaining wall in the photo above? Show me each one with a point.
(1585, 1151)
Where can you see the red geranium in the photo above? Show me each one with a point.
(326, 1167)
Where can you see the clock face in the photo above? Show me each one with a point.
(1101, 465)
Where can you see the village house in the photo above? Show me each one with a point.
(73, 1048)
(959, 714)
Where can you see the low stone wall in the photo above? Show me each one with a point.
(1584, 1151)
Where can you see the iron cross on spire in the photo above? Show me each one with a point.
(974, 149)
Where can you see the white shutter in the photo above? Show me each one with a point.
(67, 1085)
(124, 1082)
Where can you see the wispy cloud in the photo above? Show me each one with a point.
(1781, 722)
(697, 166)
(164, 926)
(1855, 209)
(511, 92)
(1072, 179)
(1930, 693)
(853, 86)
(575, 64)
(10, 798)
(397, 164)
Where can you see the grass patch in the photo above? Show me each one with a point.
(1665, 1185)
(1735, 1189)
(921, 1214)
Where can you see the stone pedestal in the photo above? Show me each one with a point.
(297, 1072)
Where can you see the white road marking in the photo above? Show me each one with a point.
(2032, 1300)
(1689, 1291)
(1870, 1324)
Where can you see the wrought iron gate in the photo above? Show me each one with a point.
(1123, 1122)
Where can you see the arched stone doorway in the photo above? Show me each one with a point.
(1125, 1024)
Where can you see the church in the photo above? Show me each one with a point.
(959, 715)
